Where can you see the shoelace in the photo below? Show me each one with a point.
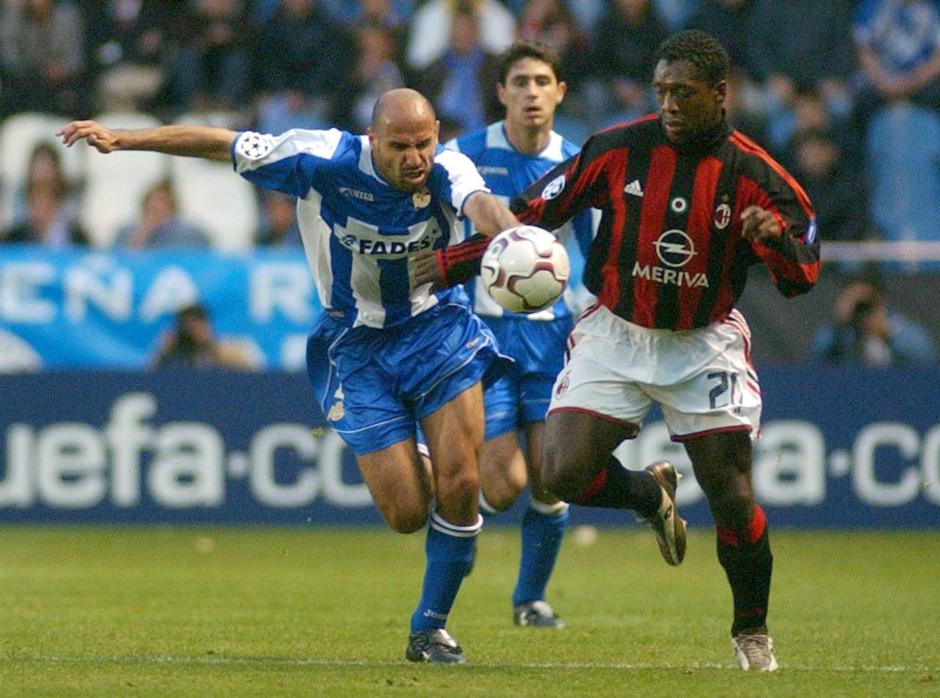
(754, 644)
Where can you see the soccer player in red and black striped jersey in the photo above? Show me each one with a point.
(688, 205)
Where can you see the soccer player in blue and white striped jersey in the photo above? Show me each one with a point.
(383, 354)
(510, 155)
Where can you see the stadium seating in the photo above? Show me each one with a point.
(19, 134)
(114, 186)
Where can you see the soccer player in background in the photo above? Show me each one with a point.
(688, 204)
(382, 355)
(510, 155)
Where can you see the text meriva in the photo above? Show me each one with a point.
(670, 276)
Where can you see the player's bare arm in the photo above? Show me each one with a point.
(191, 141)
(489, 215)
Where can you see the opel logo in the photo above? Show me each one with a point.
(674, 248)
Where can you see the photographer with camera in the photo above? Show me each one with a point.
(192, 343)
(865, 332)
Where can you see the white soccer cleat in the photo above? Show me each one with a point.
(754, 651)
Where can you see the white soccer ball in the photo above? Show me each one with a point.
(525, 269)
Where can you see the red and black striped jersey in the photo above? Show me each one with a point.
(669, 252)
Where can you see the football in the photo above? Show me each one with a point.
(525, 269)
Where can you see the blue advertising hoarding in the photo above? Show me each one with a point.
(841, 447)
(95, 309)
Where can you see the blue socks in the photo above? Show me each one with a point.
(449, 553)
(542, 528)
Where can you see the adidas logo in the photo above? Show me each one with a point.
(634, 188)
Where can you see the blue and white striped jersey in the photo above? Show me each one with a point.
(508, 173)
(357, 230)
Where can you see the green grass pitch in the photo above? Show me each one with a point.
(89, 611)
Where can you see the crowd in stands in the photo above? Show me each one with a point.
(846, 94)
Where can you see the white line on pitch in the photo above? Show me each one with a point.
(312, 661)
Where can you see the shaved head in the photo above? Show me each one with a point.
(403, 135)
(401, 105)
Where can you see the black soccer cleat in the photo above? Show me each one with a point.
(537, 614)
(665, 522)
(434, 647)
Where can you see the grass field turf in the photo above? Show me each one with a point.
(270, 612)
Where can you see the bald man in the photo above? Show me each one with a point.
(383, 354)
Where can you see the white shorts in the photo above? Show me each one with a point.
(703, 378)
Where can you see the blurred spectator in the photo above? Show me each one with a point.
(801, 44)
(627, 37)
(192, 342)
(460, 83)
(45, 170)
(47, 221)
(551, 23)
(41, 57)
(279, 221)
(838, 193)
(675, 14)
(160, 224)
(866, 332)
(376, 72)
(213, 65)
(809, 113)
(431, 30)
(303, 62)
(391, 14)
(898, 44)
(127, 49)
(728, 21)
(744, 107)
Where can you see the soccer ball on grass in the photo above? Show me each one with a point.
(525, 269)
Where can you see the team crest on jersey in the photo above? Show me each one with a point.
(255, 145)
(563, 385)
(554, 188)
(337, 411)
(722, 216)
(421, 198)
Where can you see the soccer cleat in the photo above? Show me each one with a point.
(537, 614)
(754, 650)
(434, 647)
(666, 523)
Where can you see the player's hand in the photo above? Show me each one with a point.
(93, 133)
(427, 270)
(759, 225)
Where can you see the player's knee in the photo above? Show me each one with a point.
(406, 520)
(457, 488)
(732, 508)
(556, 478)
(500, 492)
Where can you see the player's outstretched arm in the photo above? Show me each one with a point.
(489, 215)
(191, 141)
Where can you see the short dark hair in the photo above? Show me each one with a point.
(528, 49)
(192, 311)
(700, 49)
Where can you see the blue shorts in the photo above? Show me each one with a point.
(522, 394)
(373, 384)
